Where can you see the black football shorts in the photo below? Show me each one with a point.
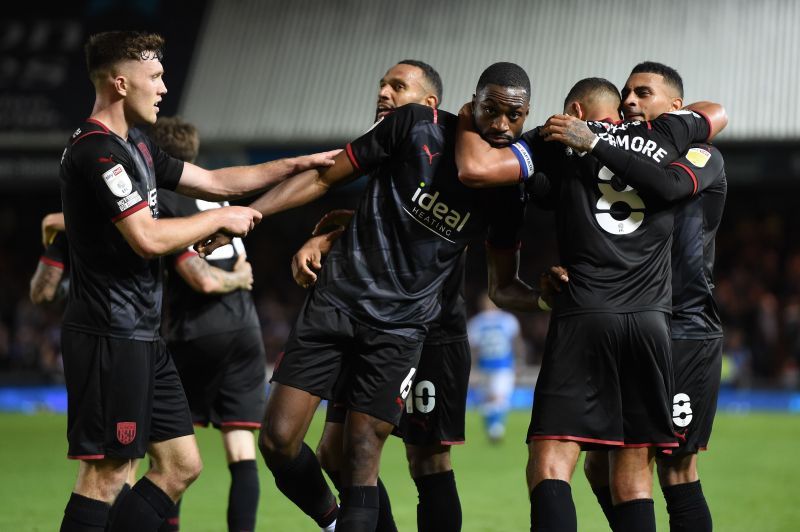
(606, 381)
(381, 365)
(224, 376)
(121, 395)
(697, 365)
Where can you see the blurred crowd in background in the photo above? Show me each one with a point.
(757, 287)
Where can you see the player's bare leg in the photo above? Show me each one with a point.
(293, 464)
(632, 489)
(439, 507)
(549, 472)
(686, 504)
(363, 442)
(595, 467)
(98, 484)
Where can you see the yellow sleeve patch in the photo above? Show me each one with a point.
(698, 157)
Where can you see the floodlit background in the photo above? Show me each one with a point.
(267, 79)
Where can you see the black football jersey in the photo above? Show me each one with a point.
(189, 314)
(452, 323)
(614, 241)
(694, 311)
(412, 223)
(104, 178)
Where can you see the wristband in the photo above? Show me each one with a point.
(543, 305)
(522, 152)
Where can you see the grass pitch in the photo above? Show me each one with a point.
(749, 476)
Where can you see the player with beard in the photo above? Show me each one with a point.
(613, 313)
(380, 288)
(433, 420)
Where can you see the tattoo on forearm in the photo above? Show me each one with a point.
(226, 281)
(45, 282)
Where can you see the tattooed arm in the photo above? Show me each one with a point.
(208, 279)
(45, 284)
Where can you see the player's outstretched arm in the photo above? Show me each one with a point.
(45, 283)
(715, 113)
(479, 164)
(151, 238)
(238, 181)
(207, 279)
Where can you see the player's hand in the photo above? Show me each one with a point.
(307, 259)
(52, 224)
(315, 160)
(206, 247)
(337, 218)
(245, 271)
(238, 221)
(551, 283)
(569, 130)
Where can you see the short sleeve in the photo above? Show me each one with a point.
(704, 165)
(168, 168)
(384, 138)
(107, 168)
(57, 253)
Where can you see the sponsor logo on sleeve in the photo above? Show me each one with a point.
(118, 182)
(128, 202)
(698, 157)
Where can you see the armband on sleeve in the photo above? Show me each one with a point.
(522, 152)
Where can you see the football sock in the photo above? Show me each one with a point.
(552, 508)
(359, 511)
(243, 496)
(603, 495)
(83, 514)
(385, 518)
(439, 508)
(172, 521)
(302, 482)
(687, 508)
(637, 515)
(126, 489)
(142, 510)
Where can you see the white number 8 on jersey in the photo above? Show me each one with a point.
(613, 203)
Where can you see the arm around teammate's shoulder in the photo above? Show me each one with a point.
(152, 238)
(479, 164)
(714, 113)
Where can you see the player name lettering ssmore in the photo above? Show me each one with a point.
(436, 215)
(638, 144)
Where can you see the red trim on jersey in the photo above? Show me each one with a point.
(242, 424)
(510, 250)
(174, 521)
(98, 123)
(708, 121)
(124, 214)
(86, 457)
(185, 255)
(640, 445)
(649, 125)
(51, 262)
(691, 174)
(89, 133)
(350, 155)
(435, 115)
(578, 439)
(459, 442)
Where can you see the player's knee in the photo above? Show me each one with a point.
(428, 460)
(276, 442)
(677, 470)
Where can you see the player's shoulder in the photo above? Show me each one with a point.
(94, 139)
(704, 155)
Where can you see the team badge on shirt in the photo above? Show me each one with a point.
(698, 157)
(118, 182)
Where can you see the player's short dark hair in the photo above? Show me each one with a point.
(669, 74)
(104, 50)
(505, 75)
(430, 74)
(176, 137)
(591, 87)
